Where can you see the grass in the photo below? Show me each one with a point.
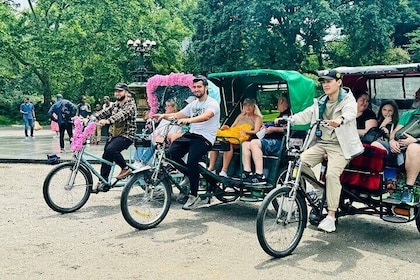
(270, 117)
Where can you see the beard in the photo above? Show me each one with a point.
(416, 104)
(121, 98)
(199, 94)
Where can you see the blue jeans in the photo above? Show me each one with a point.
(29, 124)
(144, 154)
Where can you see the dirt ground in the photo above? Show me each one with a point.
(216, 242)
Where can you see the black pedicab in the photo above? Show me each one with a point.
(370, 186)
(146, 198)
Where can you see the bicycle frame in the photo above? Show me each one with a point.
(81, 158)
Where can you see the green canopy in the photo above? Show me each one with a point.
(241, 84)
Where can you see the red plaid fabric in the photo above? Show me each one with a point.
(365, 171)
(371, 160)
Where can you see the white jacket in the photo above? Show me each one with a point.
(347, 135)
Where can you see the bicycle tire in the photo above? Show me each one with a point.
(59, 195)
(418, 218)
(145, 204)
(277, 238)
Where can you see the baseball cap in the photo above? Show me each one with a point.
(329, 75)
(250, 101)
(201, 78)
(121, 86)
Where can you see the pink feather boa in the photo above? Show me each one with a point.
(80, 135)
(179, 79)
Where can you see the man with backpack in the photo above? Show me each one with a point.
(65, 111)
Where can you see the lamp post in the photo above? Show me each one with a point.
(142, 48)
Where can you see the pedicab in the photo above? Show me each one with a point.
(146, 198)
(371, 185)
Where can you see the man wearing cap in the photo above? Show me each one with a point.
(339, 141)
(204, 116)
(64, 110)
(121, 117)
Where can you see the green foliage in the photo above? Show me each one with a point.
(79, 47)
(414, 46)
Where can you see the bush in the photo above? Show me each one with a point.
(6, 120)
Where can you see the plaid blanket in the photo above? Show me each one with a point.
(365, 171)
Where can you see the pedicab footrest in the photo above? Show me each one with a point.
(395, 219)
(250, 198)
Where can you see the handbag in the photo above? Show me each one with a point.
(372, 135)
(412, 128)
(221, 145)
(37, 126)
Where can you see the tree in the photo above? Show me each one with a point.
(79, 47)
(235, 35)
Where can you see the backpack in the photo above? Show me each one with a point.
(68, 111)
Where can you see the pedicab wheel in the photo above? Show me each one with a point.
(66, 189)
(278, 235)
(145, 204)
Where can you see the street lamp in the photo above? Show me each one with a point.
(142, 48)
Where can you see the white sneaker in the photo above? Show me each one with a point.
(223, 174)
(191, 203)
(327, 224)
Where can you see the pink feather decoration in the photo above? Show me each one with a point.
(80, 135)
(172, 79)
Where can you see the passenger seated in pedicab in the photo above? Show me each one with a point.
(408, 144)
(268, 143)
(143, 154)
(245, 126)
(366, 118)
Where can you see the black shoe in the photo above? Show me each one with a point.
(256, 179)
(244, 176)
(101, 187)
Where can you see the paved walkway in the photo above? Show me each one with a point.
(14, 148)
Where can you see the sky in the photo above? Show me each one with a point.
(23, 4)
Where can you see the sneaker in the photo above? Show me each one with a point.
(256, 179)
(327, 224)
(191, 203)
(223, 174)
(124, 173)
(407, 195)
(185, 182)
(32, 137)
(244, 176)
